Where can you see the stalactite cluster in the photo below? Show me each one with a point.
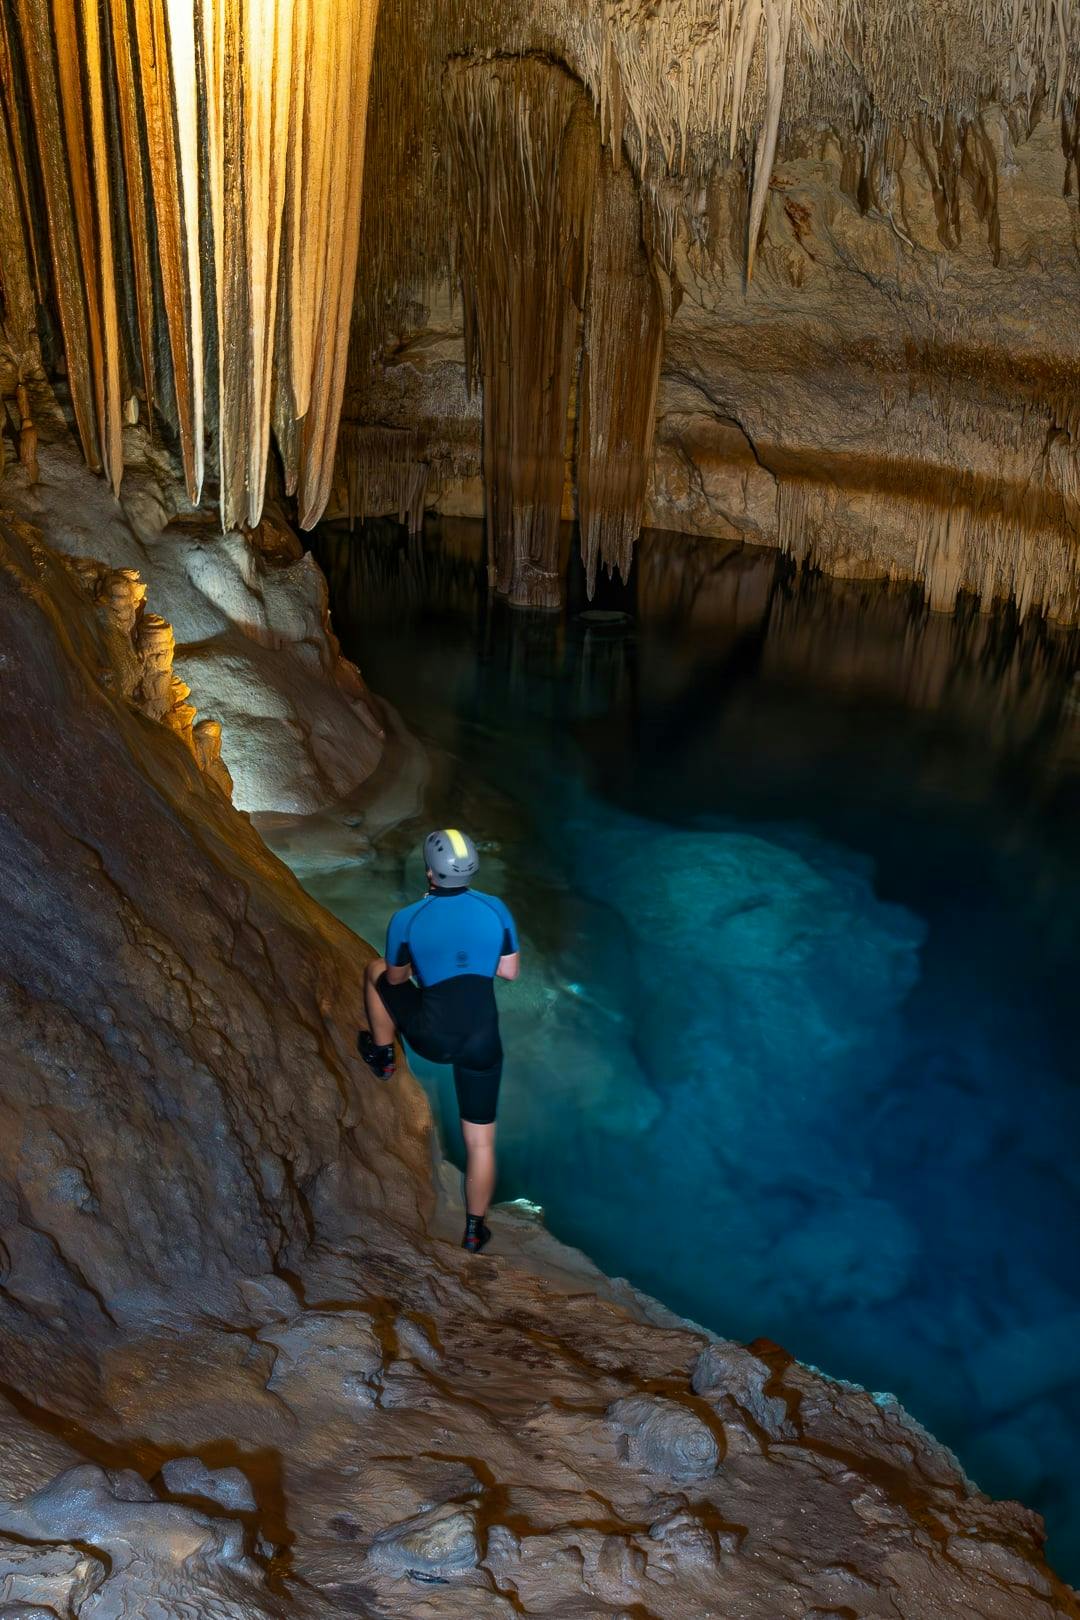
(687, 94)
(683, 87)
(199, 166)
(990, 542)
(524, 154)
(383, 471)
(624, 332)
(183, 219)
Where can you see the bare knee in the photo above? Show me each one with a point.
(479, 1139)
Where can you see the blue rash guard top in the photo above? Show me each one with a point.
(453, 940)
(451, 934)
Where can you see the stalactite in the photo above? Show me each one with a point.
(84, 213)
(777, 36)
(20, 286)
(17, 305)
(523, 153)
(624, 333)
(305, 202)
(1070, 145)
(249, 79)
(136, 189)
(952, 153)
(342, 70)
(996, 541)
(35, 24)
(383, 472)
(233, 121)
(174, 194)
(94, 150)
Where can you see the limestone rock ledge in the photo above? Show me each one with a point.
(249, 614)
(240, 1375)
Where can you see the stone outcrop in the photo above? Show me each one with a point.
(146, 672)
(225, 1280)
(240, 620)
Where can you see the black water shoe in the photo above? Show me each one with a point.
(477, 1235)
(379, 1059)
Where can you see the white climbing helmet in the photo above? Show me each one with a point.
(451, 858)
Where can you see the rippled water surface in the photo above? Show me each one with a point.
(797, 872)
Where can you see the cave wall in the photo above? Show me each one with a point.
(857, 242)
(182, 1101)
(872, 401)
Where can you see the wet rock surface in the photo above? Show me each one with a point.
(223, 1268)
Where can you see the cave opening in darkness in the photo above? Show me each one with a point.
(794, 865)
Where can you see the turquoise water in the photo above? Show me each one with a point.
(796, 870)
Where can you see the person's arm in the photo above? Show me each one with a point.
(510, 961)
(398, 963)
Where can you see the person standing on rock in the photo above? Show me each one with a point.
(436, 985)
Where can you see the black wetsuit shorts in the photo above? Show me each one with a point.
(455, 1021)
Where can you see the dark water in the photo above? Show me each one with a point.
(797, 871)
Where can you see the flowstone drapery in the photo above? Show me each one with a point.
(200, 165)
(624, 334)
(553, 269)
(524, 153)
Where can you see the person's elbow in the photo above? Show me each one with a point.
(509, 966)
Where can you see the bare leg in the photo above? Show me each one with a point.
(479, 1166)
(380, 1022)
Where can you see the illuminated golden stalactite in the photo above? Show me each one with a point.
(249, 79)
(35, 24)
(171, 213)
(191, 154)
(624, 336)
(95, 149)
(135, 187)
(180, 20)
(305, 202)
(17, 287)
(777, 38)
(339, 71)
(84, 213)
(524, 150)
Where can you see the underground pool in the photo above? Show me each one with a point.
(796, 870)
